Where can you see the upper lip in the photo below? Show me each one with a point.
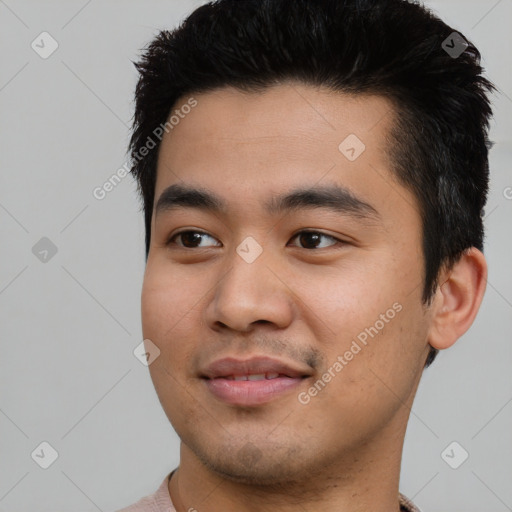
(229, 366)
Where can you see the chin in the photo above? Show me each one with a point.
(255, 465)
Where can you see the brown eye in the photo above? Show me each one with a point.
(189, 239)
(311, 239)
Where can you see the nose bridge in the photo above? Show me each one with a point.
(250, 291)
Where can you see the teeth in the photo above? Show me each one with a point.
(258, 376)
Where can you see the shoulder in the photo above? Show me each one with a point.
(159, 501)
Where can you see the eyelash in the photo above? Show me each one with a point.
(171, 242)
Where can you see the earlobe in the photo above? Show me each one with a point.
(458, 298)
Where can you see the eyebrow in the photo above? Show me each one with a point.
(331, 197)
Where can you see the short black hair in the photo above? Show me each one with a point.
(395, 48)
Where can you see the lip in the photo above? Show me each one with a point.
(228, 366)
(218, 378)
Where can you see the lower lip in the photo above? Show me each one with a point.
(251, 392)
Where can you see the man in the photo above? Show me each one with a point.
(313, 176)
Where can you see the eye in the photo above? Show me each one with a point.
(191, 238)
(311, 238)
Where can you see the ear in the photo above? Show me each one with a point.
(457, 299)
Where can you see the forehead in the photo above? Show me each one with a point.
(247, 145)
(281, 114)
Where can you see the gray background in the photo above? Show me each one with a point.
(69, 325)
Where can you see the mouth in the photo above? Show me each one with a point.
(254, 377)
(251, 390)
(252, 382)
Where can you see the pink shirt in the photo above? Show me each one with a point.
(161, 501)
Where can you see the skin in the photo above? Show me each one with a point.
(342, 450)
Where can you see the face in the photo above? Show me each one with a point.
(301, 260)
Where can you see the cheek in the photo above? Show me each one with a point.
(374, 316)
(374, 379)
(166, 301)
(345, 299)
(168, 312)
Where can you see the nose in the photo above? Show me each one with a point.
(249, 294)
